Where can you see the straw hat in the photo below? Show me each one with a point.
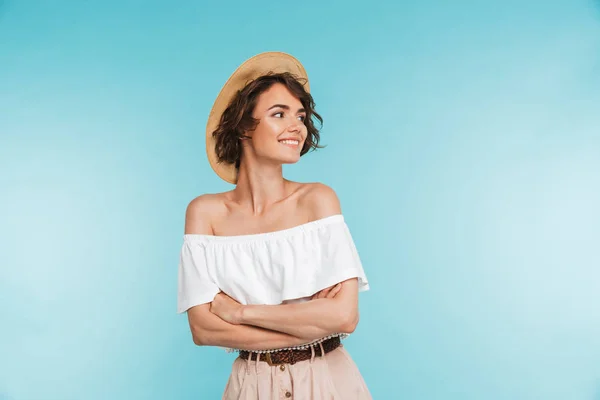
(254, 67)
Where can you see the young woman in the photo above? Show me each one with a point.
(269, 268)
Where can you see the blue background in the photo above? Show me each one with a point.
(463, 141)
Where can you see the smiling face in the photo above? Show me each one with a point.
(280, 133)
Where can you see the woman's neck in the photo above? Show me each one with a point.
(259, 188)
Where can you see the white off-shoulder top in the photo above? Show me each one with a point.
(277, 267)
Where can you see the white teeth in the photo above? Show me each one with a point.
(289, 141)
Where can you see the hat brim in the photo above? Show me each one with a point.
(255, 67)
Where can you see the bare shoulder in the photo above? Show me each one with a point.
(321, 200)
(200, 211)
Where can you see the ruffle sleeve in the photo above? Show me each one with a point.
(195, 284)
(333, 258)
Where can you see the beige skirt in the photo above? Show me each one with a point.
(334, 376)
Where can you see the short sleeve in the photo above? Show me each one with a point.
(339, 258)
(195, 285)
(322, 258)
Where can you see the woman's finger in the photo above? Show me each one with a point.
(334, 291)
(323, 293)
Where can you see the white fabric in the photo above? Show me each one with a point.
(278, 267)
(268, 268)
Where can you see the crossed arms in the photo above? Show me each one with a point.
(226, 323)
(259, 327)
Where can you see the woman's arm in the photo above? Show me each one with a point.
(310, 320)
(210, 330)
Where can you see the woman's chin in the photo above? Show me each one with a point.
(289, 160)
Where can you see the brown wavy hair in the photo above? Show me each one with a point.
(237, 118)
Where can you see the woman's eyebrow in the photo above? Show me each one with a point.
(285, 107)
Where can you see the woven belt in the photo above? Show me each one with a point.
(293, 356)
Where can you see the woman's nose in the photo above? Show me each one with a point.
(296, 125)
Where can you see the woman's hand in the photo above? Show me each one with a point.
(226, 308)
(327, 293)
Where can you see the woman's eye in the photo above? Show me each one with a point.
(280, 115)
